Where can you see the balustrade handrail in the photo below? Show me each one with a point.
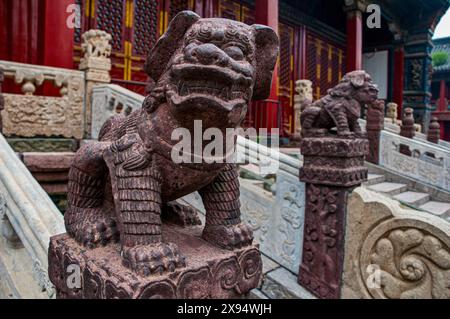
(30, 211)
(10, 68)
(429, 163)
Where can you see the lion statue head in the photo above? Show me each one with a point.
(210, 69)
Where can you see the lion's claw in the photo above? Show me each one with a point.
(229, 237)
(153, 259)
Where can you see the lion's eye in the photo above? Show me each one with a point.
(234, 52)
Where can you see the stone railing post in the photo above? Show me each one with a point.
(391, 112)
(332, 168)
(434, 131)
(96, 64)
(302, 99)
(374, 126)
(407, 129)
(2, 100)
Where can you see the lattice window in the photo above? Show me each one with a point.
(325, 63)
(177, 6)
(286, 51)
(248, 15)
(109, 17)
(77, 31)
(145, 26)
(230, 10)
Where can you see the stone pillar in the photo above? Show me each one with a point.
(302, 99)
(332, 168)
(354, 10)
(96, 64)
(374, 126)
(2, 100)
(434, 131)
(418, 72)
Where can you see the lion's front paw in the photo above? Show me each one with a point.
(229, 237)
(153, 259)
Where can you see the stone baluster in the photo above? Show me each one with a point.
(96, 64)
(374, 126)
(2, 100)
(434, 131)
(407, 129)
(332, 168)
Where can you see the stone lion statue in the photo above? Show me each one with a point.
(121, 186)
(341, 107)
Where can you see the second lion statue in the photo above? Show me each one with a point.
(120, 186)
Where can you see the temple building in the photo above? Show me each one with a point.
(320, 40)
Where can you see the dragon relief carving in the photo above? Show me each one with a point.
(206, 69)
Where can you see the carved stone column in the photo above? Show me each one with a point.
(332, 168)
(434, 131)
(96, 64)
(374, 126)
(2, 100)
(407, 129)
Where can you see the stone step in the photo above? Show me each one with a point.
(282, 284)
(440, 209)
(413, 198)
(389, 188)
(373, 179)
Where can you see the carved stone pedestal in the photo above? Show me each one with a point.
(332, 168)
(211, 272)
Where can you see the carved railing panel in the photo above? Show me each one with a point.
(111, 99)
(28, 215)
(428, 163)
(29, 115)
(391, 252)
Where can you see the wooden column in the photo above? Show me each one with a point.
(266, 12)
(354, 36)
(399, 78)
(58, 36)
(443, 103)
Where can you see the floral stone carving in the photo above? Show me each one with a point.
(121, 186)
(392, 252)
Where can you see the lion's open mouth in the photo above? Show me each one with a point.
(196, 82)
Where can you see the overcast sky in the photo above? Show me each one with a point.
(443, 28)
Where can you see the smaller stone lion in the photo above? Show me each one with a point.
(341, 107)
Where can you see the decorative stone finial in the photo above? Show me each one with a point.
(391, 112)
(407, 128)
(434, 131)
(340, 108)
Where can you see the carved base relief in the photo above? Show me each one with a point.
(210, 272)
